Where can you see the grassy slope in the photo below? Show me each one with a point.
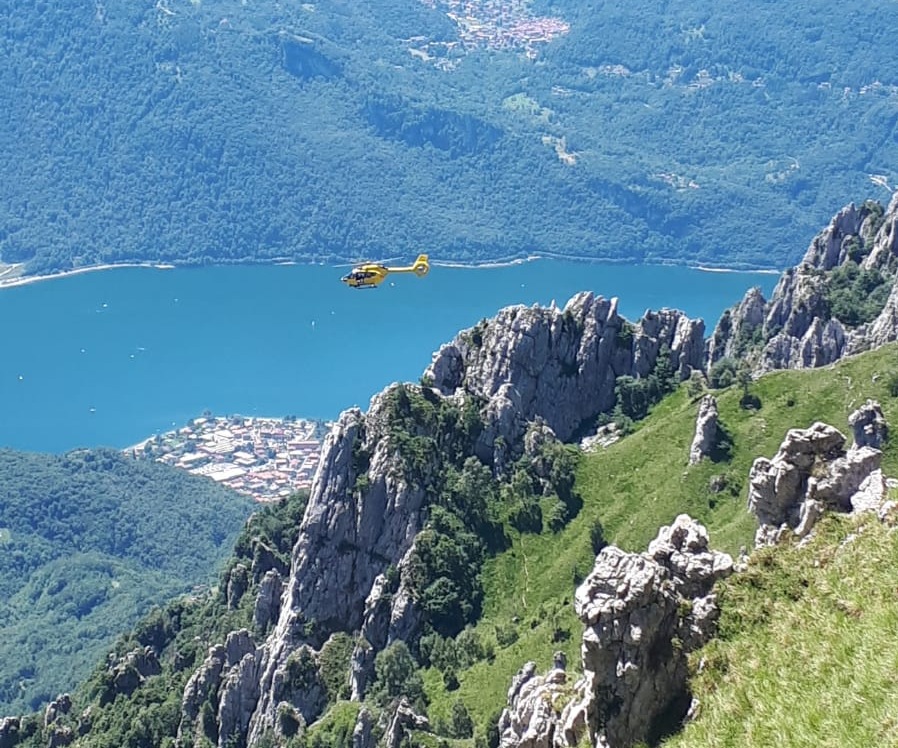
(808, 656)
(638, 485)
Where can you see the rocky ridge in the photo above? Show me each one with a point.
(533, 373)
(352, 530)
(796, 328)
(559, 364)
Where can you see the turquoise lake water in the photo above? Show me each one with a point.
(109, 358)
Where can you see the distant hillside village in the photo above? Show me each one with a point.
(265, 458)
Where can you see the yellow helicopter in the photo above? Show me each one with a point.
(371, 275)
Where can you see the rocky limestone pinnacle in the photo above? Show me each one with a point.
(706, 430)
(643, 613)
(560, 365)
(796, 328)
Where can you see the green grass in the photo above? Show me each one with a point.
(636, 486)
(340, 718)
(808, 655)
(644, 481)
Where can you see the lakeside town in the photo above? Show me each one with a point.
(494, 24)
(265, 458)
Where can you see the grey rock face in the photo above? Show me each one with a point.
(795, 328)
(829, 248)
(706, 430)
(884, 329)
(362, 734)
(737, 324)
(132, 669)
(228, 672)
(197, 691)
(264, 560)
(530, 721)
(390, 615)
(635, 606)
(61, 736)
(61, 706)
(559, 365)
(643, 612)
(403, 720)
(238, 583)
(538, 437)
(9, 731)
(239, 686)
(811, 472)
(869, 425)
(884, 238)
(349, 534)
(268, 600)
(373, 636)
(872, 494)
(503, 428)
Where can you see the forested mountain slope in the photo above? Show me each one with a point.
(533, 548)
(450, 536)
(194, 132)
(90, 540)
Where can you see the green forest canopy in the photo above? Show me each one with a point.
(90, 540)
(232, 132)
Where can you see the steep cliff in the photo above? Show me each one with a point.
(559, 365)
(352, 531)
(841, 299)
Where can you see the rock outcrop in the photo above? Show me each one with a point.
(57, 708)
(559, 365)
(363, 514)
(404, 719)
(225, 681)
(884, 329)
(810, 473)
(869, 426)
(128, 672)
(531, 719)
(706, 430)
(268, 600)
(237, 585)
(363, 732)
(796, 328)
(643, 612)
(390, 615)
(9, 732)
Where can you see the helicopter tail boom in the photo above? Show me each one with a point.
(420, 267)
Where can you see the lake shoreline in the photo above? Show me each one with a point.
(22, 280)
(110, 358)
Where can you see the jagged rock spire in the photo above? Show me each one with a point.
(643, 612)
(560, 365)
(796, 329)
